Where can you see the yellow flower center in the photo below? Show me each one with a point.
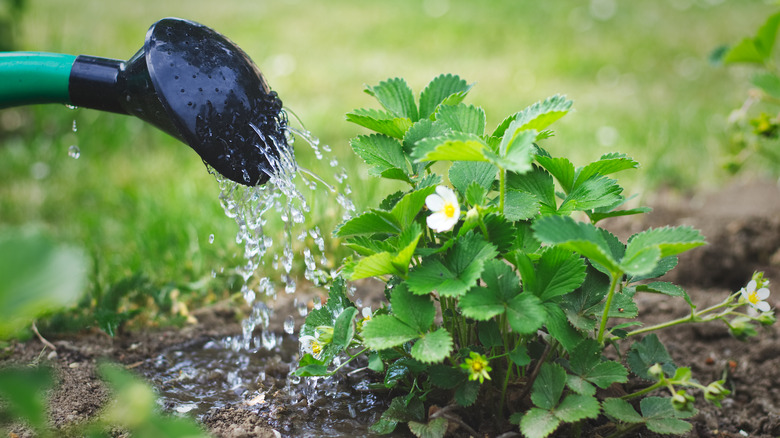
(449, 209)
(316, 348)
(477, 366)
(753, 297)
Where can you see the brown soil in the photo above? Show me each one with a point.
(742, 225)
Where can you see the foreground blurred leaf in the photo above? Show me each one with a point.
(38, 276)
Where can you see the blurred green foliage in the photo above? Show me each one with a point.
(132, 408)
(756, 122)
(143, 206)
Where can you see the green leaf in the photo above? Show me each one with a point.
(467, 393)
(475, 193)
(462, 118)
(327, 314)
(311, 369)
(768, 82)
(621, 410)
(417, 311)
(559, 326)
(445, 377)
(666, 288)
(380, 122)
(344, 327)
(482, 303)
(370, 222)
(581, 305)
(661, 417)
(420, 130)
(548, 386)
(37, 276)
(455, 146)
(744, 51)
(405, 409)
(558, 272)
(385, 331)
(593, 193)
(462, 174)
(670, 240)
(560, 168)
(409, 206)
(579, 237)
(766, 36)
(580, 385)
(375, 362)
(374, 266)
(445, 88)
(383, 426)
(646, 353)
(576, 407)
(525, 313)
(23, 393)
(607, 164)
(519, 355)
(433, 347)
(458, 273)
(489, 334)
(435, 428)
(381, 153)
(538, 423)
(501, 278)
(537, 116)
(537, 182)
(515, 150)
(640, 261)
(520, 206)
(396, 97)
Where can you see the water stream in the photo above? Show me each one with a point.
(251, 369)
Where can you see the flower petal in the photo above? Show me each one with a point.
(763, 306)
(447, 194)
(751, 286)
(438, 222)
(762, 293)
(434, 202)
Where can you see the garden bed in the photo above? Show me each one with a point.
(742, 226)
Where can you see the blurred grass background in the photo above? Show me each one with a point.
(144, 206)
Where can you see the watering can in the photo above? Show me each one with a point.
(187, 80)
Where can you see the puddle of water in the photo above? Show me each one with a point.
(205, 375)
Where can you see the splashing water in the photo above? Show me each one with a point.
(252, 207)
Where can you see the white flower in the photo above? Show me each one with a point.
(311, 345)
(445, 208)
(756, 297)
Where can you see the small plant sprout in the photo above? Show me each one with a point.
(516, 308)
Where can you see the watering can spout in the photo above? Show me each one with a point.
(187, 80)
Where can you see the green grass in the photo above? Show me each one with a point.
(143, 204)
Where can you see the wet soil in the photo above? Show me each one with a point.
(742, 226)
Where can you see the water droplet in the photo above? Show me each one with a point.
(74, 152)
(69, 106)
(74, 128)
(211, 238)
(289, 325)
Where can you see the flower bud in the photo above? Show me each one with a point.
(324, 334)
(766, 318)
(715, 392)
(656, 371)
(741, 328)
(682, 401)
